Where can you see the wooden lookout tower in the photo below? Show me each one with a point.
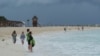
(35, 21)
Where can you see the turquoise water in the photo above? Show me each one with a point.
(71, 43)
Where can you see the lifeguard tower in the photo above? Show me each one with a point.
(35, 21)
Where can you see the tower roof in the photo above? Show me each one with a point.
(35, 17)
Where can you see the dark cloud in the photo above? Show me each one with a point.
(61, 11)
(93, 2)
(16, 3)
(3, 4)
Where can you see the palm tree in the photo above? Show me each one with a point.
(28, 22)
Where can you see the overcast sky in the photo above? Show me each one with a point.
(52, 11)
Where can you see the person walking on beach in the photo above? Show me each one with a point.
(28, 30)
(14, 34)
(31, 41)
(22, 37)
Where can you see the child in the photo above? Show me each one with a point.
(14, 34)
(22, 37)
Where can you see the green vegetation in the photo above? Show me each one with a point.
(2, 18)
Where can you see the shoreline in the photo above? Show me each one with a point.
(6, 31)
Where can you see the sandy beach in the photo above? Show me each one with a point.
(7, 48)
(6, 31)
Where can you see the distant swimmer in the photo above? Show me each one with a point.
(82, 28)
(78, 28)
(65, 29)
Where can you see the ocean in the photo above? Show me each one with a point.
(69, 43)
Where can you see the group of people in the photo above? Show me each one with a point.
(30, 39)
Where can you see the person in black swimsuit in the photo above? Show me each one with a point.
(31, 41)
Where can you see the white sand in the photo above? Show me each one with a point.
(7, 48)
